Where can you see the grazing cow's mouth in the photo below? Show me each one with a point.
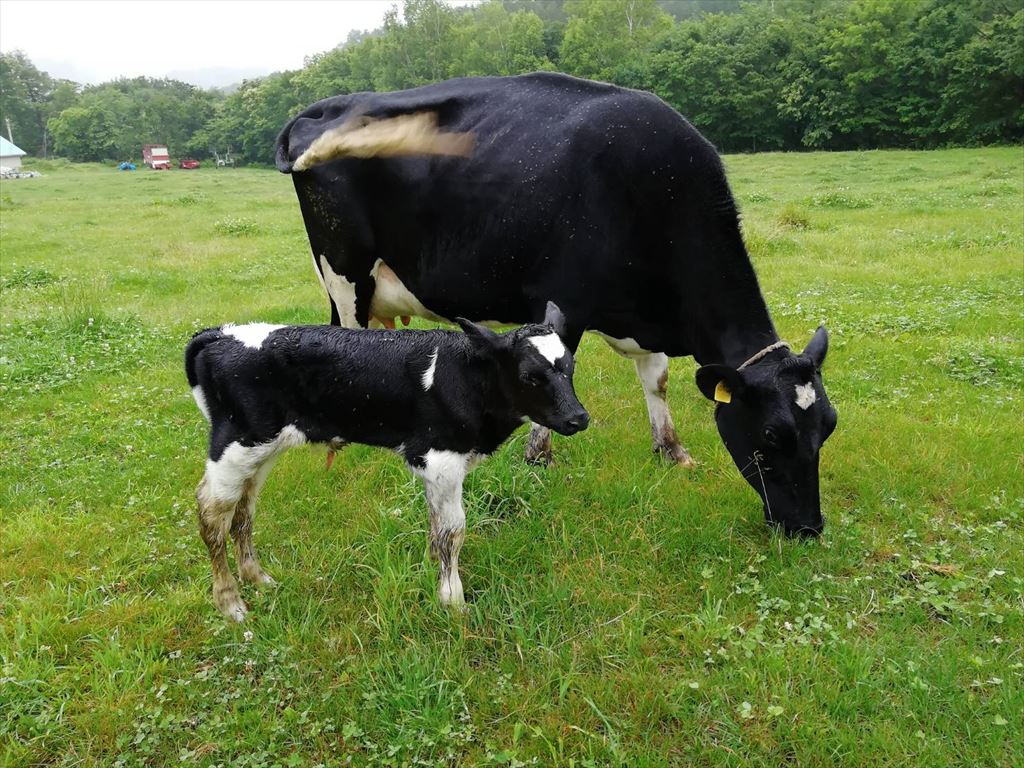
(575, 424)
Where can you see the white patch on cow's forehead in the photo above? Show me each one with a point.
(549, 345)
(428, 375)
(251, 334)
(805, 396)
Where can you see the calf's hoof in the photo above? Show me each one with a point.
(229, 603)
(256, 575)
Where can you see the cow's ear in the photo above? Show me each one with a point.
(720, 383)
(481, 336)
(553, 316)
(817, 347)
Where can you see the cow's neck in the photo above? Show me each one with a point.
(733, 323)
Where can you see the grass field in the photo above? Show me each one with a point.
(623, 612)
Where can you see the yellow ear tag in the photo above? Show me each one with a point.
(722, 393)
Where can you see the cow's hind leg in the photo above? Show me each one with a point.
(249, 568)
(652, 369)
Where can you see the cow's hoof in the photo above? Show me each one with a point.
(539, 458)
(674, 453)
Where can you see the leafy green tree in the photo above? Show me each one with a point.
(23, 94)
(984, 101)
(603, 36)
(492, 41)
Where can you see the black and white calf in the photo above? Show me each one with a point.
(443, 400)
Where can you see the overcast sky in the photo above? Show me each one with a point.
(190, 40)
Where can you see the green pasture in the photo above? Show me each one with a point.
(623, 612)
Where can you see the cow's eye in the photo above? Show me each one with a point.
(771, 437)
(532, 379)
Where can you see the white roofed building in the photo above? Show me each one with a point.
(10, 155)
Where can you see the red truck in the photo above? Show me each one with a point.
(156, 157)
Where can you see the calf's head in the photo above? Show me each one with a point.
(535, 370)
(773, 416)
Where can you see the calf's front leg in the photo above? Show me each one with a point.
(442, 474)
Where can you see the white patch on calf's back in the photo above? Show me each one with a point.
(251, 335)
(549, 345)
(805, 396)
(428, 375)
(342, 293)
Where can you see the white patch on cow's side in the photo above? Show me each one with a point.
(549, 345)
(200, 398)
(227, 476)
(251, 334)
(428, 375)
(805, 396)
(342, 293)
(392, 299)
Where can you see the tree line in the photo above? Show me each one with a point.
(759, 75)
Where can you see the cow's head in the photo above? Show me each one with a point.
(535, 370)
(773, 416)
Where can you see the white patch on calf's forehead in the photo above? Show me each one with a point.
(549, 346)
(428, 375)
(805, 396)
(251, 334)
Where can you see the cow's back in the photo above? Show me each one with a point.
(574, 189)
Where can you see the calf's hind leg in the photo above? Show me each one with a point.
(249, 568)
(216, 509)
(652, 370)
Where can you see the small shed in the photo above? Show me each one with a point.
(10, 155)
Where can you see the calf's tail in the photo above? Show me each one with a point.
(198, 343)
(364, 137)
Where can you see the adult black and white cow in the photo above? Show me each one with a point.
(442, 400)
(483, 197)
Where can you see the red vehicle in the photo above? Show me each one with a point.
(156, 157)
(188, 163)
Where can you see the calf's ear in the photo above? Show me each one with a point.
(817, 347)
(553, 316)
(720, 383)
(481, 336)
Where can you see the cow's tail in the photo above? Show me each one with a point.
(198, 343)
(414, 134)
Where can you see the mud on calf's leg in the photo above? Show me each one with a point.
(249, 568)
(652, 369)
(215, 516)
(538, 445)
(442, 477)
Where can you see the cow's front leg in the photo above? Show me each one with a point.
(538, 445)
(442, 474)
(652, 369)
